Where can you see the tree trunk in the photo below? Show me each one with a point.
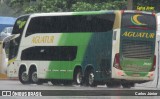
(130, 4)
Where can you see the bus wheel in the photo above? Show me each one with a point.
(23, 77)
(90, 79)
(33, 77)
(78, 77)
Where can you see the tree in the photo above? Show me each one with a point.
(2, 1)
(26, 6)
(84, 6)
(130, 4)
(47, 6)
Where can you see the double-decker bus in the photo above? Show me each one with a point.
(92, 47)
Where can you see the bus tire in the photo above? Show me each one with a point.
(33, 77)
(23, 77)
(78, 77)
(90, 78)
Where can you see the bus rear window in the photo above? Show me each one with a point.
(140, 21)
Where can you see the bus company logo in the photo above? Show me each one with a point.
(139, 35)
(42, 39)
(147, 64)
(134, 20)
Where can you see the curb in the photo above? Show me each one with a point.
(4, 77)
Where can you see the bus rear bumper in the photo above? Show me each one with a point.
(119, 74)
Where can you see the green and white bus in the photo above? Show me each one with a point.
(92, 47)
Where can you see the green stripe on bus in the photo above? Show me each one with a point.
(66, 67)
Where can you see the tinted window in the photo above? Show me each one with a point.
(139, 20)
(17, 29)
(55, 53)
(76, 23)
(19, 25)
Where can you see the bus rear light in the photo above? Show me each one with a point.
(120, 73)
(151, 74)
(154, 63)
(116, 63)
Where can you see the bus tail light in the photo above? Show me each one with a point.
(154, 63)
(116, 63)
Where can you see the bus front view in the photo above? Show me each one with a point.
(136, 60)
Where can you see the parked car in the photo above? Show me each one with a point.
(6, 32)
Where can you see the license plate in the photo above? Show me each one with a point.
(135, 75)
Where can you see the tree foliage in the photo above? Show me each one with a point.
(47, 6)
(32, 6)
(84, 6)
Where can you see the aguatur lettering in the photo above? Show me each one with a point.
(42, 39)
(139, 34)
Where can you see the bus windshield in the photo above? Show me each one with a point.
(19, 25)
(17, 29)
(139, 21)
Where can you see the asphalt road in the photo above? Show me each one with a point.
(49, 91)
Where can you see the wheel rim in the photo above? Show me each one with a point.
(24, 76)
(34, 77)
(91, 78)
(79, 78)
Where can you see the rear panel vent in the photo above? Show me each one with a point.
(137, 49)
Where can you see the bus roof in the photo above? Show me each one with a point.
(70, 13)
(83, 13)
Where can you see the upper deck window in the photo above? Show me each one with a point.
(71, 24)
